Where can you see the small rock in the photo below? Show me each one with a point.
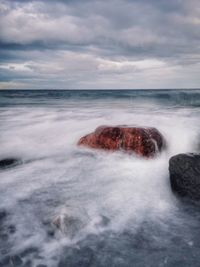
(71, 221)
(68, 225)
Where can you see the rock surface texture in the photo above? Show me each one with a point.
(68, 225)
(184, 172)
(143, 141)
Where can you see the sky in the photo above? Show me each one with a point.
(99, 44)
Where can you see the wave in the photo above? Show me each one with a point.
(121, 205)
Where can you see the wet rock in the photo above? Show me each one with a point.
(68, 224)
(184, 172)
(9, 162)
(71, 221)
(145, 142)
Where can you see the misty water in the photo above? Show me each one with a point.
(120, 208)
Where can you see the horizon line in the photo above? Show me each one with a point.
(94, 89)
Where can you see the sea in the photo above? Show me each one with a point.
(69, 206)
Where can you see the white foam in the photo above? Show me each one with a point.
(124, 188)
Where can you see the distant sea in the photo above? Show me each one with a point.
(115, 209)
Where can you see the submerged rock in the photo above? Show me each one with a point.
(145, 142)
(68, 225)
(71, 221)
(9, 162)
(184, 172)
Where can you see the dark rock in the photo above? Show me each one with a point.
(145, 142)
(9, 162)
(184, 172)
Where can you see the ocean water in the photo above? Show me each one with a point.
(116, 209)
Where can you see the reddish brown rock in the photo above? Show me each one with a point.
(142, 141)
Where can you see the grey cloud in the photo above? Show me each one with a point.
(112, 32)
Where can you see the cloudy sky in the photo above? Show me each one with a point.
(93, 44)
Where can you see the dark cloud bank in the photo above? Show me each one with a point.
(100, 44)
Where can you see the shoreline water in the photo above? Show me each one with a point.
(128, 211)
